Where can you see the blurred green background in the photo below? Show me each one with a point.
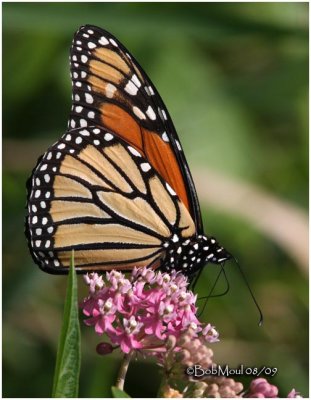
(235, 79)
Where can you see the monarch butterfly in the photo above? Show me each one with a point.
(116, 187)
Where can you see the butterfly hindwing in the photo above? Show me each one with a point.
(95, 193)
(111, 90)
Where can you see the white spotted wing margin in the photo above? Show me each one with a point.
(103, 72)
(93, 193)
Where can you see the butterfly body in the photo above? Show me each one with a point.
(116, 187)
(192, 254)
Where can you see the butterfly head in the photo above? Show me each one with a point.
(213, 252)
(191, 255)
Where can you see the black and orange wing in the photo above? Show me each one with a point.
(111, 90)
(94, 193)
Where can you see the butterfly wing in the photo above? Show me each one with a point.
(111, 90)
(96, 194)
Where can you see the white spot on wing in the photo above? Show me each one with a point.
(113, 42)
(149, 90)
(103, 41)
(145, 166)
(84, 58)
(165, 137)
(89, 98)
(151, 113)
(108, 137)
(168, 187)
(137, 111)
(110, 89)
(175, 238)
(84, 132)
(178, 145)
(131, 88)
(134, 151)
(136, 80)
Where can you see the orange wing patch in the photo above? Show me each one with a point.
(162, 158)
(158, 152)
(122, 123)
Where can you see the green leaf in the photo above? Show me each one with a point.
(67, 370)
(116, 392)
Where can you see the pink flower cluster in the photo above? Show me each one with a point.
(142, 311)
(261, 388)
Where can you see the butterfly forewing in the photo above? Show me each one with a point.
(116, 188)
(111, 90)
(95, 193)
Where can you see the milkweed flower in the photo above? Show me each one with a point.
(293, 394)
(260, 387)
(154, 313)
(141, 312)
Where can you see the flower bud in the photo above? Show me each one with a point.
(171, 342)
(104, 348)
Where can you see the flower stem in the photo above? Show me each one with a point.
(164, 386)
(123, 370)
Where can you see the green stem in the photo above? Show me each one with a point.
(163, 386)
(123, 370)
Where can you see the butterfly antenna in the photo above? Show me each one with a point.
(195, 281)
(212, 289)
(251, 292)
(227, 282)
